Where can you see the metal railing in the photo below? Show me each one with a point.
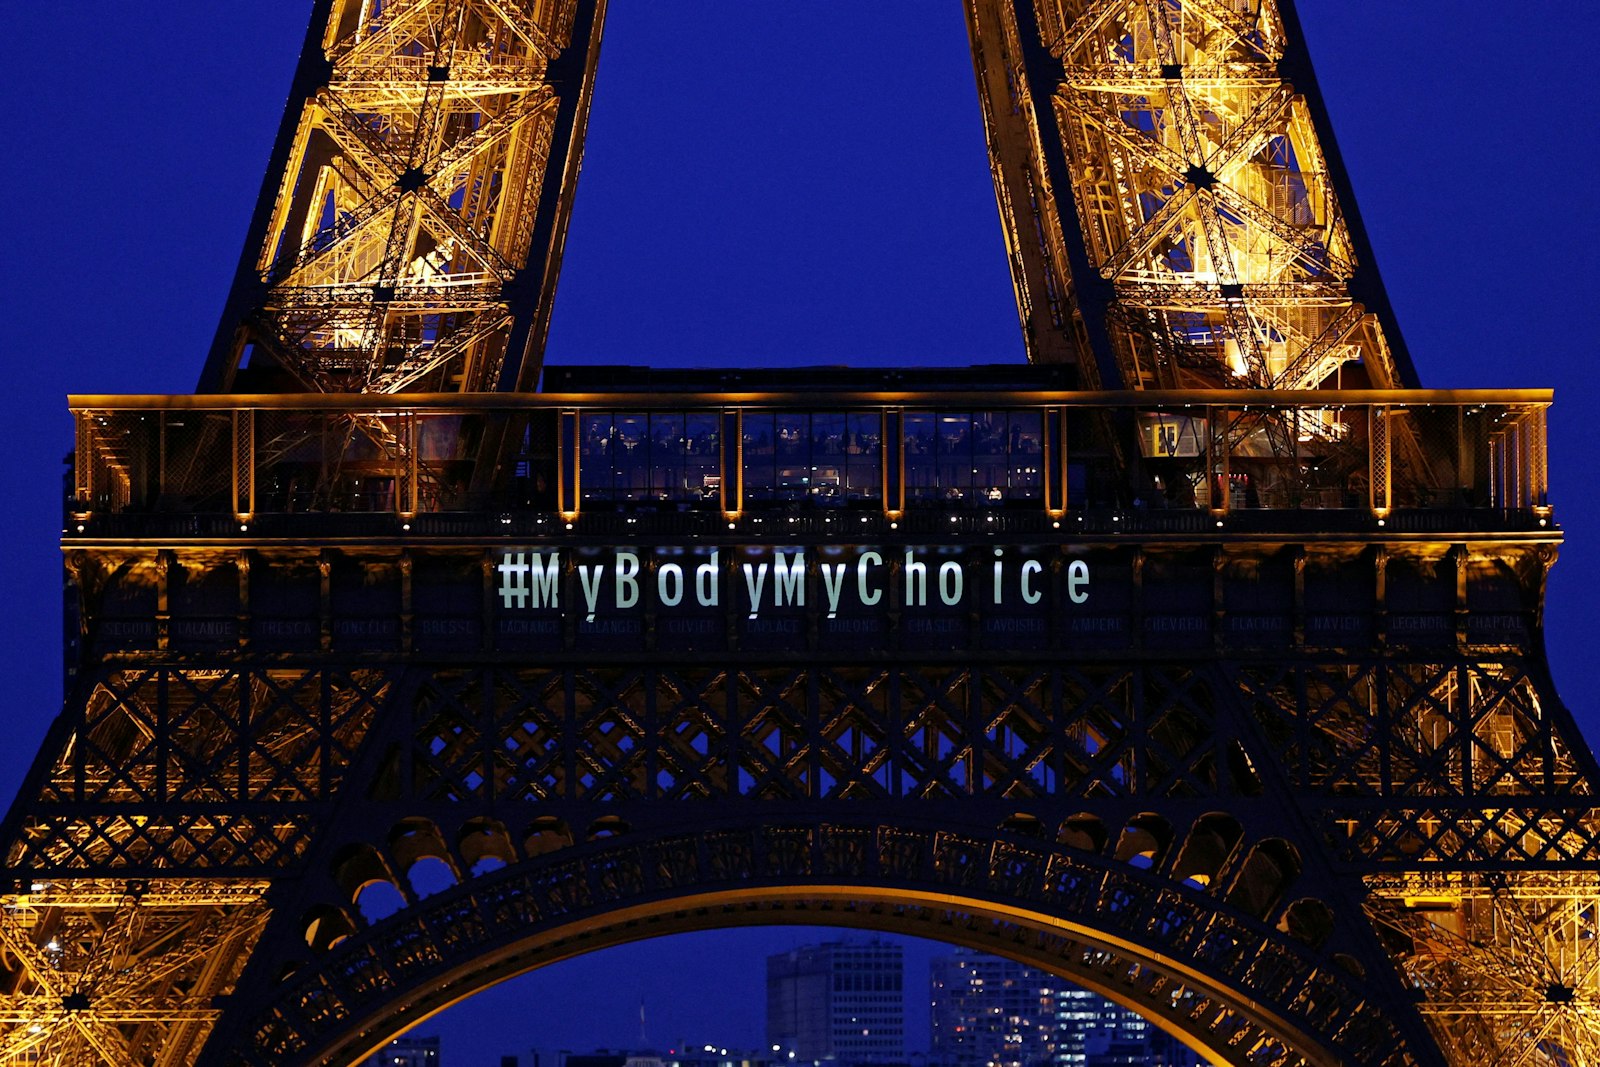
(1162, 459)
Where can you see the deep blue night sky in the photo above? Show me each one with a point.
(764, 183)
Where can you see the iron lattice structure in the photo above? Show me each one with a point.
(1222, 692)
(412, 223)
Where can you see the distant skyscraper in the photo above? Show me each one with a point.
(841, 1000)
(1089, 1031)
(989, 1012)
(992, 1012)
(407, 1052)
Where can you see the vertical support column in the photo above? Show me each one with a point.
(1460, 559)
(325, 599)
(1497, 492)
(82, 465)
(405, 489)
(568, 445)
(486, 605)
(1539, 461)
(1512, 469)
(894, 462)
(407, 615)
(1217, 459)
(161, 473)
(244, 464)
(166, 560)
(242, 634)
(1535, 463)
(1298, 553)
(1055, 462)
(732, 461)
(1378, 460)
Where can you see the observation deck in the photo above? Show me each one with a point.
(897, 515)
(704, 454)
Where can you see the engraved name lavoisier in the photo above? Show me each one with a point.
(531, 579)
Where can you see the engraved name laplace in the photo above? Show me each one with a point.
(765, 580)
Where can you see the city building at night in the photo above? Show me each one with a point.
(992, 1012)
(407, 1052)
(841, 1001)
(988, 1012)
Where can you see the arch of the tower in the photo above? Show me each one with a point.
(1206, 931)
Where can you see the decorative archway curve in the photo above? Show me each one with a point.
(1228, 984)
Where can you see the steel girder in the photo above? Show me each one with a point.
(1173, 200)
(1169, 188)
(1316, 817)
(1147, 827)
(411, 224)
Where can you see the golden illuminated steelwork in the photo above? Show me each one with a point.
(415, 229)
(1262, 744)
(1507, 966)
(1171, 207)
(121, 972)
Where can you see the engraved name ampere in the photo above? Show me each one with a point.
(532, 580)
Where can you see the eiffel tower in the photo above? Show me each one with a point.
(1199, 662)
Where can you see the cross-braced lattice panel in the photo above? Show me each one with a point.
(1422, 729)
(1139, 733)
(855, 724)
(611, 712)
(165, 768)
(410, 200)
(1204, 195)
(937, 755)
(1317, 721)
(120, 973)
(769, 726)
(829, 732)
(692, 736)
(528, 759)
(451, 753)
(1515, 748)
(1507, 970)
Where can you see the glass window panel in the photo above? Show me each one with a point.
(827, 433)
(989, 479)
(666, 456)
(760, 448)
(702, 459)
(630, 455)
(793, 432)
(955, 476)
(595, 471)
(863, 447)
(829, 462)
(1025, 455)
(793, 440)
(922, 481)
